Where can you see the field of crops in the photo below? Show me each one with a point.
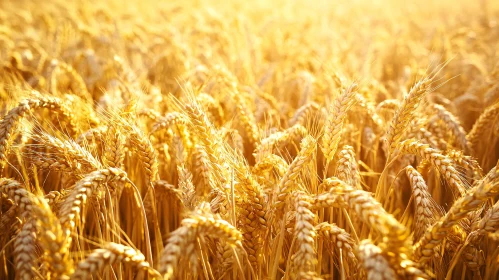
(285, 139)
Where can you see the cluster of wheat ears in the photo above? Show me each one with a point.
(249, 140)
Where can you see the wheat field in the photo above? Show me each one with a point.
(249, 139)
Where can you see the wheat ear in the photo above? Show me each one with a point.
(405, 112)
(183, 239)
(170, 119)
(52, 240)
(305, 257)
(442, 163)
(304, 113)
(65, 155)
(22, 198)
(454, 126)
(426, 210)
(373, 261)
(481, 125)
(277, 139)
(484, 189)
(339, 194)
(211, 140)
(25, 251)
(270, 162)
(348, 169)
(336, 237)
(289, 181)
(72, 206)
(9, 122)
(111, 254)
(114, 153)
(334, 123)
(146, 153)
(252, 208)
